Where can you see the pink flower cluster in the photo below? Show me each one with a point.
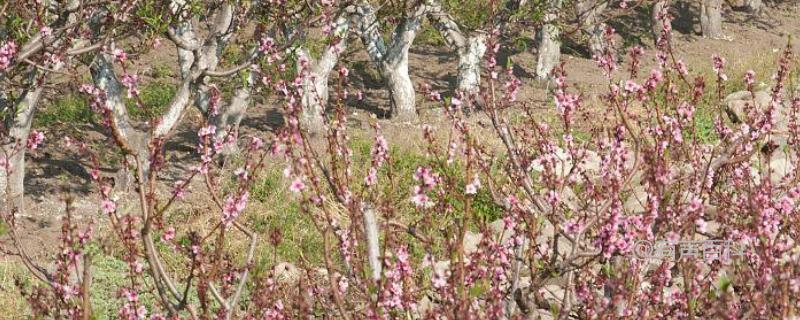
(35, 139)
(7, 52)
(379, 153)
(394, 294)
(719, 67)
(234, 206)
(131, 81)
(428, 181)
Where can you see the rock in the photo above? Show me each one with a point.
(563, 163)
(636, 201)
(555, 294)
(286, 273)
(591, 162)
(780, 165)
(471, 242)
(441, 267)
(738, 102)
(424, 306)
(497, 227)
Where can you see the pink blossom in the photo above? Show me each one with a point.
(719, 67)
(380, 149)
(168, 235)
(655, 78)
(749, 78)
(179, 189)
(434, 96)
(472, 187)
(241, 173)
(35, 139)
(267, 44)
(511, 87)
(120, 55)
(276, 312)
(455, 102)
(7, 52)
(632, 87)
(108, 206)
(572, 226)
(130, 82)
(46, 31)
(206, 131)
(233, 207)
(297, 185)
(421, 200)
(372, 178)
(256, 143)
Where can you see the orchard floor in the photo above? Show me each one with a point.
(53, 174)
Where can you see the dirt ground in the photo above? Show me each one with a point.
(52, 174)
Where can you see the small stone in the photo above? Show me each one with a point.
(286, 273)
(471, 242)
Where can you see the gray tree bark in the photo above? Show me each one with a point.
(392, 61)
(589, 12)
(549, 52)
(658, 7)
(231, 115)
(711, 19)
(470, 49)
(315, 82)
(12, 176)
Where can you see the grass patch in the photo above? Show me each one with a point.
(155, 97)
(11, 302)
(73, 109)
(70, 109)
(275, 212)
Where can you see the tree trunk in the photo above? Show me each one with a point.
(315, 83)
(401, 90)
(754, 6)
(470, 50)
(589, 12)
(105, 79)
(393, 61)
(19, 120)
(549, 43)
(469, 64)
(711, 19)
(231, 115)
(314, 101)
(12, 176)
(658, 7)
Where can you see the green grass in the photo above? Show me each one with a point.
(155, 97)
(108, 278)
(69, 109)
(161, 71)
(277, 211)
(73, 109)
(11, 302)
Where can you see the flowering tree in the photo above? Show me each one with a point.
(26, 66)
